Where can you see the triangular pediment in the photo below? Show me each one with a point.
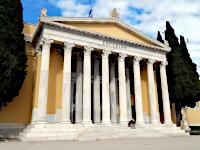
(111, 27)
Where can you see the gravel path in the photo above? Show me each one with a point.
(169, 143)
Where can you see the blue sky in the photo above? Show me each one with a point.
(148, 16)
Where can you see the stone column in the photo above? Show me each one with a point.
(44, 78)
(105, 88)
(66, 87)
(122, 89)
(128, 94)
(152, 92)
(165, 94)
(79, 90)
(96, 92)
(138, 91)
(87, 86)
(113, 96)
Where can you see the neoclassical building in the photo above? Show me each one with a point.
(87, 77)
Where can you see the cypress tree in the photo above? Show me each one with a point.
(193, 90)
(182, 85)
(159, 37)
(12, 50)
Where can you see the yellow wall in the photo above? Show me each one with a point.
(29, 29)
(193, 116)
(145, 91)
(112, 30)
(19, 110)
(55, 82)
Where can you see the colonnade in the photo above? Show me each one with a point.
(109, 96)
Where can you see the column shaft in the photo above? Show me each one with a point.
(165, 94)
(122, 89)
(105, 88)
(113, 96)
(79, 90)
(96, 92)
(138, 91)
(87, 86)
(152, 93)
(44, 78)
(66, 88)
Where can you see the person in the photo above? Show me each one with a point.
(131, 124)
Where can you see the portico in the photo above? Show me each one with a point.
(108, 56)
(101, 81)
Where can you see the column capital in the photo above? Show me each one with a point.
(106, 53)
(137, 59)
(87, 50)
(46, 41)
(151, 61)
(68, 46)
(122, 56)
(164, 63)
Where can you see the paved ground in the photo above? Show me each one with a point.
(170, 143)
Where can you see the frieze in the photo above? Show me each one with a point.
(114, 44)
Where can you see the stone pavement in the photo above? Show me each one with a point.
(167, 143)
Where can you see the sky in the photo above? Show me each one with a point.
(148, 16)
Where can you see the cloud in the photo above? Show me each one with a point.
(148, 16)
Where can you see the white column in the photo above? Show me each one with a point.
(128, 94)
(66, 87)
(113, 96)
(87, 86)
(79, 90)
(138, 91)
(96, 92)
(165, 94)
(152, 92)
(105, 88)
(122, 89)
(44, 78)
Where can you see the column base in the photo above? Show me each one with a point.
(140, 125)
(168, 124)
(87, 122)
(123, 122)
(106, 122)
(65, 122)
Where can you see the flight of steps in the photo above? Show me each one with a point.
(118, 131)
(95, 132)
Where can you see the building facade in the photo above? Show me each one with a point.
(89, 76)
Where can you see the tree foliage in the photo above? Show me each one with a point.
(183, 79)
(12, 50)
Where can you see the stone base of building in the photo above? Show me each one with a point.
(87, 132)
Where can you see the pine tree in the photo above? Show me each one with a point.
(12, 50)
(183, 88)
